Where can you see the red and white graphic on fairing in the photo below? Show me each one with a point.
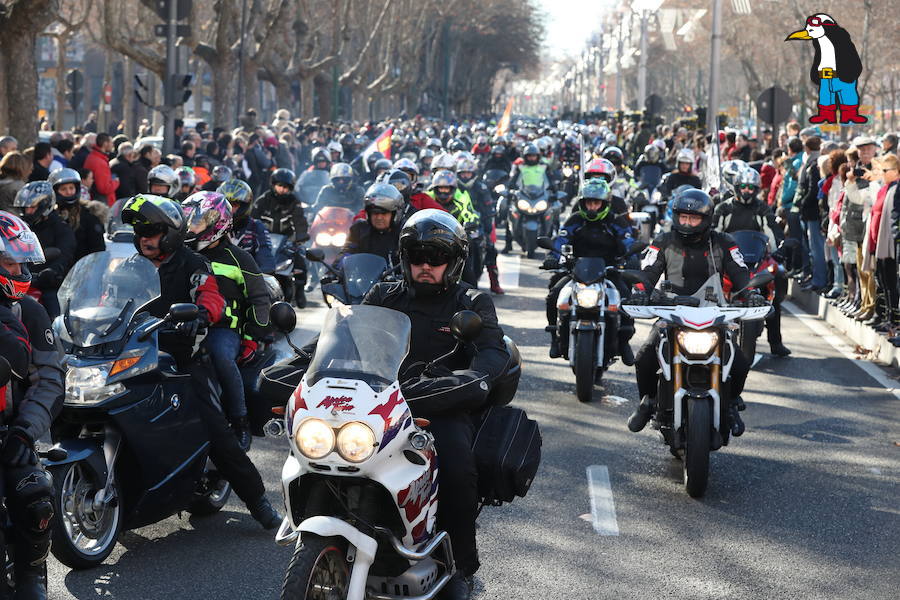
(384, 410)
(298, 401)
(336, 403)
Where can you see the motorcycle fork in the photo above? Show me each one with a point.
(112, 441)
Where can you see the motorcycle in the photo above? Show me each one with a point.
(328, 233)
(123, 467)
(531, 216)
(696, 351)
(349, 282)
(496, 180)
(588, 322)
(754, 246)
(360, 483)
(285, 271)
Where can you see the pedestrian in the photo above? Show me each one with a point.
(8, 144)
(87, 142)
(90, 125)
(14, 171)
(123, 167)
(881, 243)
(41, 156)
(97, 162)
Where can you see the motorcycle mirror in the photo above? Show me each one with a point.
(634, 277)
(283, 317)
(183, 312)
(545, 243)
(315, 255)
(465, 325)
(636, 248)
(5, 371)
(761, 279)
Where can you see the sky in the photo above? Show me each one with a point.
(570, 23)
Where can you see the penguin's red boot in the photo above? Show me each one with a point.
(827, 114)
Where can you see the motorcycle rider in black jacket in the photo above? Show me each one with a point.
(745, 211)
(483, 201)
(36, 204)
(343, 191)
(682, 175)
(282, 213)
(380, 232)
(37, 388)
(185, 276)
(687, 256)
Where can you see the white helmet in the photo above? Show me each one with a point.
(443, 161)
(685, 155)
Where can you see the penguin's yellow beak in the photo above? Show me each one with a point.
(799, 35)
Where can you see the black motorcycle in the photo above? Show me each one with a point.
(532, 214)
(135, 452)
(352, 278)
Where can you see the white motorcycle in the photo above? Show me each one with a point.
(695, 352)
(361, 481)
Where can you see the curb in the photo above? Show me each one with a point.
(878, 349)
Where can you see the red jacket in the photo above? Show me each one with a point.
(104, 185)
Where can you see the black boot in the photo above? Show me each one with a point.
(737, 423)
(458, 588)
(264, 513)
(641, 416)
(241, 427)
(625, 333)
(779, 349)
(299, 296)
(31, 584)
(554, 341)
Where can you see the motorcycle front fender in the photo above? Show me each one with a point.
(365, 548)
(78, 450)
(531, 225)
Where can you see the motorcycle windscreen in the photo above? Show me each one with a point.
(361, 272)
(362, 342)
(102, 293)
(711, 292)
(535, 193)
(589, 269)
(752, 244)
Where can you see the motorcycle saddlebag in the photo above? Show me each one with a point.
(507, 450)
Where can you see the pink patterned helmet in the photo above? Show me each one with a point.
(208, 217)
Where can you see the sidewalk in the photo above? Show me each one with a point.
(876, 346)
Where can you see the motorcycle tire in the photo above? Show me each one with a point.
(210, 501)
(530, 243)
(585, 364)
(318, 569)
(74, 486)
(697, 446)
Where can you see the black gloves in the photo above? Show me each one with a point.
(18, 448)
(638, 298)
(550, 263)
(47, 279)
(756, 299)
(189, 328)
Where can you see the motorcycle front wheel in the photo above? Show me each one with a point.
(585, 364)
(697, 444)
(530, 246)
(318, 570)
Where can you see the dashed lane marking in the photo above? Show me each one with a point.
(603, 508)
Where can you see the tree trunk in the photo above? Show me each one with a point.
(307, 85)
(129, 107)
(323, 90)
(60, 112)
(251, 87)
(284, 95)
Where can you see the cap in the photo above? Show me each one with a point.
(863, 140)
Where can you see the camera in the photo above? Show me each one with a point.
(859, 172)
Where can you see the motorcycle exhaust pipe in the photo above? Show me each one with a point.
(274, 428)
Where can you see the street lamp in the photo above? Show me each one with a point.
(645, 8)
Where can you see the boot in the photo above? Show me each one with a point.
(299, 296)
(458, 588)
(265, 515)
(241, 427)
(495, 280)
(737, 423)
(827, 114)
(641, 416)
(30, 583)
(554, 341)
(779, 349)
(850, 114)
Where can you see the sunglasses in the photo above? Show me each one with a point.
(747, 186)
(147, 230)
(817, 22)
(433, 256)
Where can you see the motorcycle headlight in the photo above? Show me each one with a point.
(567, 171)
(323, 239)
(500, 188)
(587, 296)
(541, 205)
(356, 442)
(338, 239)
(523, 205)
(87, 385)
(315, 438)
(698, 343)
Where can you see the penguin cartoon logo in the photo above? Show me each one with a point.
(835, 69)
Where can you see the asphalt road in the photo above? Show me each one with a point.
(806, 505)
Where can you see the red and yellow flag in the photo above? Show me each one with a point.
(381, 144)
(503, 126)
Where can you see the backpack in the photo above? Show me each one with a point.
(507, 451)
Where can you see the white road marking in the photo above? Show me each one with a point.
(838, 344)
(508, 267)
(603, 509)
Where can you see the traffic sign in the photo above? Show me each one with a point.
(183, 9)
(774, 105)
(75, 80)
(654, 104)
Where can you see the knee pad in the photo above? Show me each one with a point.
(38, 514)
(31, 499)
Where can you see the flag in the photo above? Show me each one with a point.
(381, 144)
(503, 127)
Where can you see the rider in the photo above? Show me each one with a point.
(281, 213)
(37, 390)
(379, 233)
(444, 189)
(601, 168)
(343, 191)
(498, 160)
(220, 174)
(745, 211)
(532, 171)
(163, 181)
(187, 181)
(185, 276)
(246, 232)
(686, 256)
(682, 175)
(649, 167)
(483, 202)
(88, 230)
(35, 203)
(591, 231)
(235, 339)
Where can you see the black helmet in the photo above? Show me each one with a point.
(149, 215)
(284, 177)
(498, 149)
(433, 235)
(399, 179)
(63, 176)
(221, 174)
(531, 150)
(37, 194)
(372, 159)
(692, 202)
(456, 145)
(383, 164)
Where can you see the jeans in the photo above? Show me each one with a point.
(817, 253)
(835, 258)
(800, 255)
(834, 91)
(224, 346)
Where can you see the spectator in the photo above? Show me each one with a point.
(259, 163)
(148, 157)
(188, 150)
(799, 262)
(90, 125)
(14, 171)
(42, 156)
(879, 245)
(807, 203)
(97, 162)
(179, 130)
(63, 151)
(87, 142)
(889, 144)
(832, 189)
(124, 168)
(8, 144)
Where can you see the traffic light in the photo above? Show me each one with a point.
(700, 111)
(180, 84)
(75, 84)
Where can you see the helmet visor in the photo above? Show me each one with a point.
(434, 256)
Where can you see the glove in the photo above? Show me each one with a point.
(638, 298)
(189, 328)
(550, 263)
(778, 256)
(18, 449)
(248, 352)
(47, 279)
(756, 299)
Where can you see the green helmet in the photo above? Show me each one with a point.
(594, 189)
